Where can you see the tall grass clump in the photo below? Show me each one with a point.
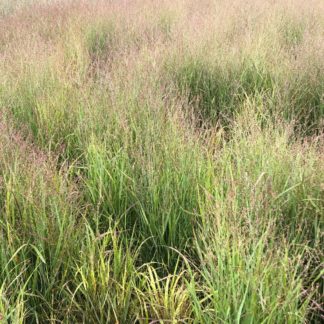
(218, 91)
(38, 210)
(123, 184)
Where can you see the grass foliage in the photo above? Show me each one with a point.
(161, 162)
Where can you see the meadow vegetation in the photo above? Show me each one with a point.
(161, 161)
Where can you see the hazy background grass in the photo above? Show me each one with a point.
(161, 161)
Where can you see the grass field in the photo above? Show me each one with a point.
(161, 161)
